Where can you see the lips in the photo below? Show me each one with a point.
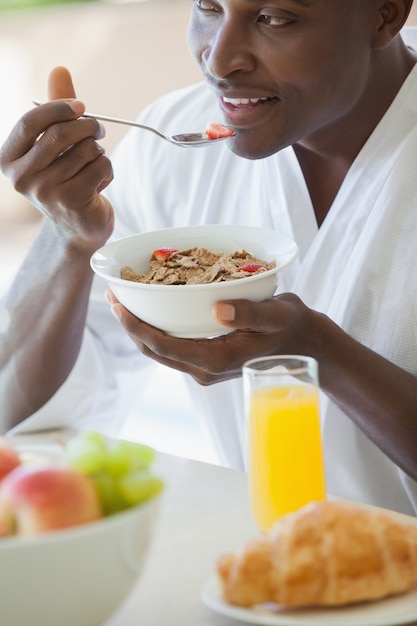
(246, 112)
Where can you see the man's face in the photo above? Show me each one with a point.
(285, 71)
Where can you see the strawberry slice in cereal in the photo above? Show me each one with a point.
(218, 131)
(162, 254)
(252, 268)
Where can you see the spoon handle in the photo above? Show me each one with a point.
(116, 120)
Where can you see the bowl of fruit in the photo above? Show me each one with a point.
(75, 531)
(171, 278)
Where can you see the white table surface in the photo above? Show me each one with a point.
(204, 512)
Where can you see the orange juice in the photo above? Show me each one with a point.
(286, 468)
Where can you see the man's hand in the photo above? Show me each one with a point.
(52, 158)
(276, 326)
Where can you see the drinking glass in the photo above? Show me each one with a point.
(284, 446)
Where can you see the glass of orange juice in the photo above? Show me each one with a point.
(284, 447)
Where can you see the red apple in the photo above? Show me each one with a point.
(9, 458)
(36, 499)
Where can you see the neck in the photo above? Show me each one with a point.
(326, 157)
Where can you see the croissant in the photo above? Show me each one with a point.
(326, 553)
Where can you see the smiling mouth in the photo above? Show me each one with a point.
(237, 102)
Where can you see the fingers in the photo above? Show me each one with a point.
(60, 85)
(84, 163)
(51, 143)
(65, 151)
(34, 123)
(59, 138)
(207, 360)
(273, 326)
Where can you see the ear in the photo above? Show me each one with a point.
(391, 17)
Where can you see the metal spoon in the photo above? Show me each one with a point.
(185, 140)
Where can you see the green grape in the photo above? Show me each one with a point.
(142, 456)
(124, 456)
(139, 485)
(93, 437)
(119, 469)
(109, 493)
(87, 452)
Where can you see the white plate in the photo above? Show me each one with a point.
(389, 612)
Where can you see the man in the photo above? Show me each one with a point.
(322, 96)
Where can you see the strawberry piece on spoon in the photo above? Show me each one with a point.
(217, 131)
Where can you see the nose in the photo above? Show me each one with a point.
(228, 50)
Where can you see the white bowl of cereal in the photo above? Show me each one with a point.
(241, 262)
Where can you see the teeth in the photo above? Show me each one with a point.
(237, 101)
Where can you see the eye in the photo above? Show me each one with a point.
(206, 5)
(274, 20)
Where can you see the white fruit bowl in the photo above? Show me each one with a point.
(186, 310)
(76, 577)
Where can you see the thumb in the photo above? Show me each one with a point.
(60, 84)
(242, 314)
(268, 316)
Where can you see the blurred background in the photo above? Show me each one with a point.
(122, 56)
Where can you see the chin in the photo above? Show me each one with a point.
(252, 150)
